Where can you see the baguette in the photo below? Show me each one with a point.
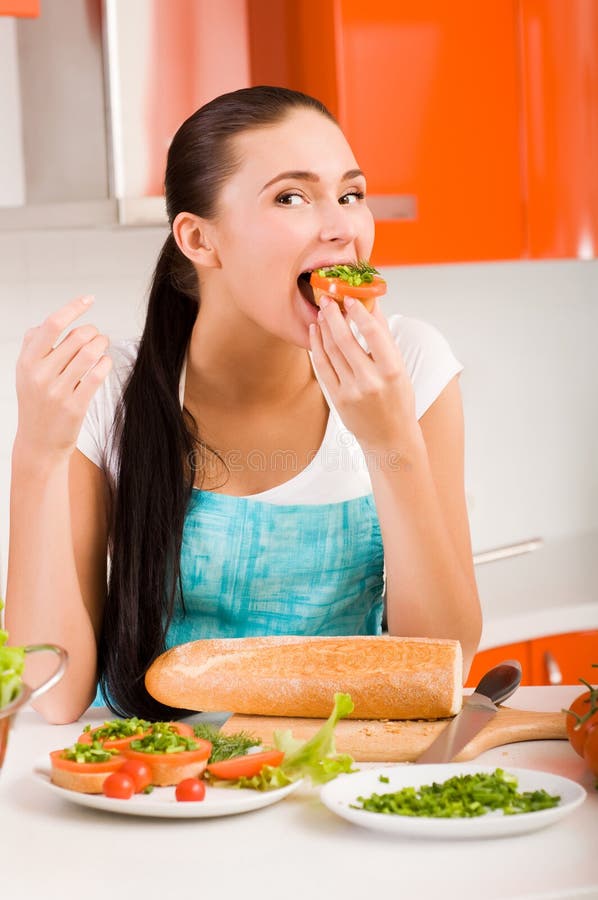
(387, 677)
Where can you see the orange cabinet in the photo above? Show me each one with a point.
(28, 8)
(477, 122)
(486, 659)
(559, 72)
(572, 654)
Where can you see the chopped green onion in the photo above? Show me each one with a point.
(463, 796)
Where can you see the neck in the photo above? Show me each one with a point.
(234, 363)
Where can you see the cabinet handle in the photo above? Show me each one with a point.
(508, 551)
(555, 676)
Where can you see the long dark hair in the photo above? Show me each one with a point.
(155, 438)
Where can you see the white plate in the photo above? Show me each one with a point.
(162, 802)
(338, 795)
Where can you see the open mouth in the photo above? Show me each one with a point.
(306, 289)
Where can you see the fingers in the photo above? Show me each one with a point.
(92, 379)
(40, 341)
(58, 360)
(374, 328)
(86, 357)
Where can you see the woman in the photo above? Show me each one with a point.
(239, 483)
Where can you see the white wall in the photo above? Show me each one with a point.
(526, 333)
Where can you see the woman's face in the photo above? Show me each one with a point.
(295, 203)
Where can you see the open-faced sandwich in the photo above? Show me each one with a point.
(358, 280)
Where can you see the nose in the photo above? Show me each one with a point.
(337, 223)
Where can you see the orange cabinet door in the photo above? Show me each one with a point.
(486, 659)
(29, 8)
(427, 93)
(573, 654)
(559, 69)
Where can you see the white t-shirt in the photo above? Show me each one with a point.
(338, 470)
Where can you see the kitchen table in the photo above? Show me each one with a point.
(51, 848)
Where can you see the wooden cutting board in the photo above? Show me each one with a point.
(371, 740)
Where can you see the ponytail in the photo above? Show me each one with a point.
(153, 488)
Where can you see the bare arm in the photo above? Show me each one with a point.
(416, 471)
(431, 588)
(58, 511)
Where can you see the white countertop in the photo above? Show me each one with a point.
(51, 848)
(551, 590)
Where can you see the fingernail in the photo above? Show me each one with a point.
(324, 301)
(312, 330)
(320, 316)
(88, 299)
(348, 302)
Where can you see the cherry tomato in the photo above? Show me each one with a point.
(139, 771)
(119, 786)
(590, 750)
(190, 789)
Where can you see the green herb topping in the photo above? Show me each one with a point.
(163, 739)
(12, 663)
(224, 746)
(118, 728)
(356, 274)
(88, 753)
(463, 796)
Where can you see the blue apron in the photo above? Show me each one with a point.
(250, 568)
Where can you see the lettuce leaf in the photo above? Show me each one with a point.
(12, 663)
(315, 759)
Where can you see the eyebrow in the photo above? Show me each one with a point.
(299, 175)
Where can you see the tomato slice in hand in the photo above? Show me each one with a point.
(119, 786)
(190, 789)
(245, 766)
(139, 772)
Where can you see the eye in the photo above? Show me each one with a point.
(289, 198)
(351, 197)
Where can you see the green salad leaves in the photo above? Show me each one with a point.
(12, 663)
(315, 759)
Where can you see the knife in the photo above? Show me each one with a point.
(479, 708)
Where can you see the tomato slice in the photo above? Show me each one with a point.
(249, 765)
(87, 737)
(70, 765)
(336, 287)
(203, 750)
(116, 744)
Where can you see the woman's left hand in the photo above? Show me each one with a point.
(371, 391)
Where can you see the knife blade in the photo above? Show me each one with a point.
(480, 707)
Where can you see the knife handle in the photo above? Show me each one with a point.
(501, 681)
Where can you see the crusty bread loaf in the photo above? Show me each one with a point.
(387, 677)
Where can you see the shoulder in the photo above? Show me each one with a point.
(428, 358)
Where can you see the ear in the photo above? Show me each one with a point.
(192, 236)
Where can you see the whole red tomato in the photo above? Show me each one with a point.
(582, 725)
(590, 750)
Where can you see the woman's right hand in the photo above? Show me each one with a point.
(55, 385)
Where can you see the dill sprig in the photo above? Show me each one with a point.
(224, 746)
